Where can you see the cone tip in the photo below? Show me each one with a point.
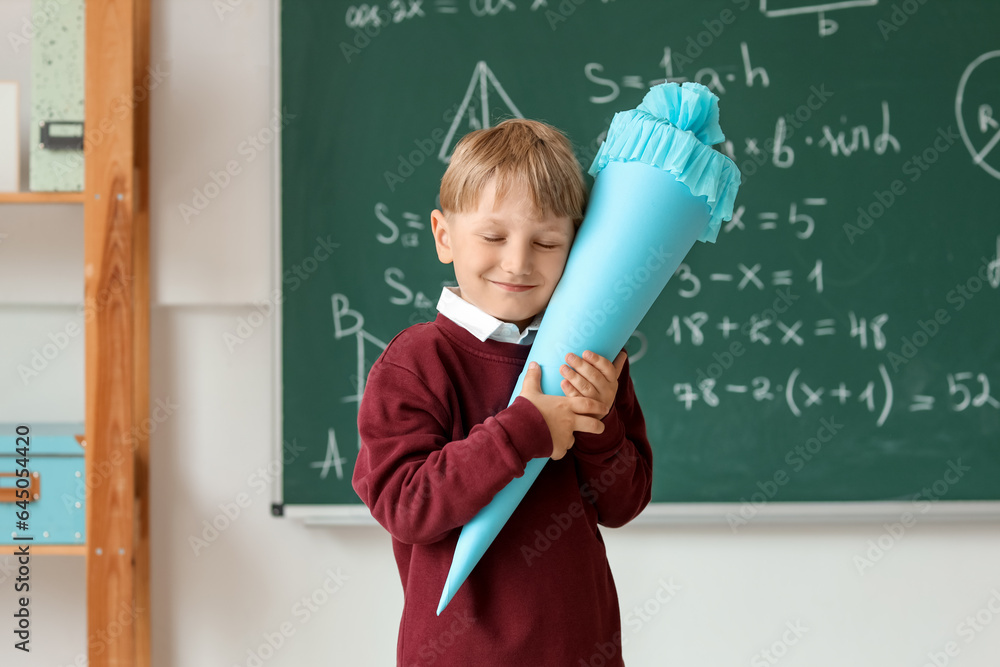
(445, 598)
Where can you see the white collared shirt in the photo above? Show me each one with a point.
(481, 324)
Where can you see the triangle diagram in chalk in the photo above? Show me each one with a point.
(485, 100)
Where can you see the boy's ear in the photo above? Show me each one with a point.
(442, 238)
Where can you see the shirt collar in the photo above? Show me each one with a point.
(481, 324)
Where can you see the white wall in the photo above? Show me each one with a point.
(736, 591)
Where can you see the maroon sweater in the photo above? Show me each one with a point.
(438, 442)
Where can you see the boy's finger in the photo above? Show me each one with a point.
(601, 363)
(582, 385)
(587, 406)
(620, 362)
(569, 390)
(533, 377)
(585, 368)
(588, 424)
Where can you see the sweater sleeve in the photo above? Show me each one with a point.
(615, 467)
(418, 483)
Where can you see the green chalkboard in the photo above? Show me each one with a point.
(840, 341)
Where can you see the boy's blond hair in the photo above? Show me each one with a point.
(516, 152)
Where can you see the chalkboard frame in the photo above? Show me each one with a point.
(656, 513)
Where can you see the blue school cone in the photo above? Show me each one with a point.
(659, 187)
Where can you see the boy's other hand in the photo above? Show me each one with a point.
(563, 414)
(593, 376)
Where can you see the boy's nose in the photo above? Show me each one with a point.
(516, 260)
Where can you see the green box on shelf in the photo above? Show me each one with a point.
(57, 97)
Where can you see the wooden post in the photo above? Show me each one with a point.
(116, 300)
(141, 80)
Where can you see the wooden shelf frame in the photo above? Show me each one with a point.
(47, 550)
(41, 197)
(116, 301)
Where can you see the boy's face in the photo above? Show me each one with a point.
(508, 258)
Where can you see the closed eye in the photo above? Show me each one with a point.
(493, 239)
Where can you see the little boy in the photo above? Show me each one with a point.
(439, 440)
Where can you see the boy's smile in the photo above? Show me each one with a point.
(508, 257)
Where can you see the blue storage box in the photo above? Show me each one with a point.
(57, 507)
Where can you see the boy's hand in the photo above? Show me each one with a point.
(563, 414)
(593, 376)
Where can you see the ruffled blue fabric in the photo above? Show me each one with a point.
(674, 129)
(692, 107)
